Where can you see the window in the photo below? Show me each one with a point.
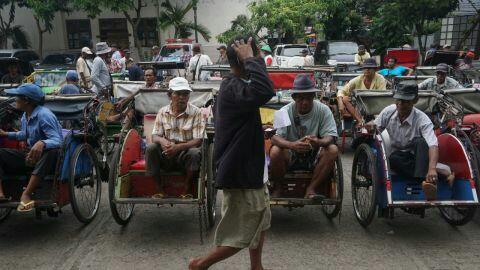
(147, 32)
(114, 31)
(453, 29)
(79, 34)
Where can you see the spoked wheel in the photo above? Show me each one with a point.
(122, 213)
(364, 184)
(457, 216)
(211, 190)
(332, 211)
(4, 213)
(85, 183)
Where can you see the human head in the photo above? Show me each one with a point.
(361, 49)
(441, 72)
(155, 50)
(86, 52)
(102, 49)
(127, 53)
(129, 63)
(235, 65)
(12, 69)
(196, 49)
(447, 47)
(369, 67)
(72, 77)
(114, 47)
(28, 96)
(406, 96)
(222, 49)
(304, 52)
(470, 55)
(303, 93)
(149, 75)
(392, 61)
(179, 93)
(266, 50)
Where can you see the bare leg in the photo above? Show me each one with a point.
(32, 185)
(256, 254)
(351, 109)
(218, 254)
(323, 169)
(278, 168)
(189, 176)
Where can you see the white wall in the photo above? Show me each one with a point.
(216, 15)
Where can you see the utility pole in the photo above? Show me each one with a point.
(195, 19)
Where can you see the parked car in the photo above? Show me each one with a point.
(58, 61)
(173, 50)
(284, 54)
(22, 54)
(336, 52)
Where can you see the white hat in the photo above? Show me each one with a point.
(179, 84)
(447, 45)
(102, 48)
(86, 50)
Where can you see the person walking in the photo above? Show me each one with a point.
(222, 58)
(101, 78)
(84, 68)
(240, 157)
(196, 62)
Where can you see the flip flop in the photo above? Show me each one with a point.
(26, 207)
(430, 191)
(186, 196)
(158, 196)
(5, 199)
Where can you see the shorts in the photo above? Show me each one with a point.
(12, 162)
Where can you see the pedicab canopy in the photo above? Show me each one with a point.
(407, 57)
(468, 98)
(49, 80)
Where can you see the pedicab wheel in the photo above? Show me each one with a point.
(211, 190)
(331, 211)
(364, 184)
(4, 213)
(122, 213)
(457, 215)
(85, 183)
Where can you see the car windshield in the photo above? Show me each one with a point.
(58, 59)
(5, 54)
(292, 51)
(342, 48)
(168, 51)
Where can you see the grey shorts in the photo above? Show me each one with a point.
(245, 215)
(157, 163)
(12, 162)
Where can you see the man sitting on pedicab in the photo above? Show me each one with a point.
(308, 142)
(42, 133)
(414, 144)
(369, 80)
(441, 80)
(176, 137)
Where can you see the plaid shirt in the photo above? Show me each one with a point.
(185, 58)
(182, 128)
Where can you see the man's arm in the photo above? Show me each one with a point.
(432, 164)
(357, 59)
(424, 85)
(49, 126)
(298, 146)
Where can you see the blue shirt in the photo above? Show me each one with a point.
(69, 89)
(135, 73)
(41, 126)
(397, 71)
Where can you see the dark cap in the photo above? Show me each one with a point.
(196, 48)
(222, 47)
(442, 67)
(305, 51)
(304, 84)
(369, 63)
(406, 91)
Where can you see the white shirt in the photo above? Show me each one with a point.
(117, 56)
(416, 125)
(309, 61)
(100, 75)
(203, 60)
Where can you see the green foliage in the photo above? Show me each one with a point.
(8, 31)
(45, 10)
(174, 16)
(241, 26)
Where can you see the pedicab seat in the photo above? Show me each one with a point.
(468, 98)
(138, 166)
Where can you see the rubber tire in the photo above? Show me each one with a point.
(329, 211)
(210, 186)
(111, 191)
(365, 221)
(4, 213)
(76, 210)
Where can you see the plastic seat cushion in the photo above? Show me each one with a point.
(138, 166)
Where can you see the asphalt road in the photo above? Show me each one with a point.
(166, 237)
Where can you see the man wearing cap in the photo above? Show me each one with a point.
(124, 60)
(71, 87)
(84, 67)
(414, 144)
(198, 60)
(447, 47)
(42, 133)
(176, 137)
(369, 80)
(222, 58)
(441, 81)
(186, 55)
(309, 61)
(156, 57)
(267, 55)
(308, 143)
(100, 75)
(13, 76)
(362, 55)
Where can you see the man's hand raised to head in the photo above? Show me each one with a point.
(243, 51)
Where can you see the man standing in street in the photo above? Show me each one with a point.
(156, 57)
(362, 55)
(222, 58)
(308, 59)
(125, 59)
(198, 60)
(100, 76)
(84, 68)
(240, 157)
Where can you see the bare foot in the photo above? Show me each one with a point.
(195, 264)
(25, 198)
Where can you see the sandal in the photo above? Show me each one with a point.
(430, 190)
(158, 196)
(186, 196)
(26, 207)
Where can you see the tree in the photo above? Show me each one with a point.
(174, 16)
(44, 13)
(8, 31)
(241, 25)
(473, 25)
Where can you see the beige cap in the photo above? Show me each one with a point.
(86, 50)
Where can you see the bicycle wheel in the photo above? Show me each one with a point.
(332, 211)
(364, 184)
(122, 213)
(211, 190)
(85, 183)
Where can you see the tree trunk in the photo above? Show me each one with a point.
(134, 24)
(40, 38)
(420, 43)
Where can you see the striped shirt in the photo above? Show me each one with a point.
(185, 127)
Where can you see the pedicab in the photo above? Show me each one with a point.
(376, 187)
(128, 183)
(77, 177)
(410, 79)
